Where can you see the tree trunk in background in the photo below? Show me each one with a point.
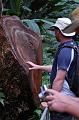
(18, 44)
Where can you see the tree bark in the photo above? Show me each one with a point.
(18, 44)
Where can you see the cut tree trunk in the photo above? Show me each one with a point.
(18, 44)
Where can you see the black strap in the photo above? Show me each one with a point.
(71, 46)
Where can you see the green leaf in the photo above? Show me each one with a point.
(76, 1)
(2, 101)
(32, 24)
(15, 6)
(26, 8)
(44, 21)
(2, 96)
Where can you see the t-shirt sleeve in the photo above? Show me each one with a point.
(65, 58)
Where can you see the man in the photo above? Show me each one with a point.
(63, 65)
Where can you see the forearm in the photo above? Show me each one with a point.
(33, 66)
(72, 106)
(47, 68)
(57, 85)
(59, 80)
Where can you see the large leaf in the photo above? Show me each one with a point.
(32, 24)
(44, 21)
(76, 1)
(14, 6)
(2, 96)
(26, 9)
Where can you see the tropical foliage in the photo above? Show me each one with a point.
(37, 13)
(39, 8)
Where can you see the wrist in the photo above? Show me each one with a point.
(68, 104)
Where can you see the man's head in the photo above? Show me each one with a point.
(60, 25)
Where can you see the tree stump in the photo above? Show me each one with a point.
(18, 44)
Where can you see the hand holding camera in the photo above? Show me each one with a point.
(43, 93)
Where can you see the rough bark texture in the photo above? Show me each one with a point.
(18, 44)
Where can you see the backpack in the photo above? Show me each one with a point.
(74, 85)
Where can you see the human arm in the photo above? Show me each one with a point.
(65, 58)
(59, 80)
(61, 103)
(47, 68)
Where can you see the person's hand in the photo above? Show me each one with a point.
(33, 66)
(43, 105)
(56, 101)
